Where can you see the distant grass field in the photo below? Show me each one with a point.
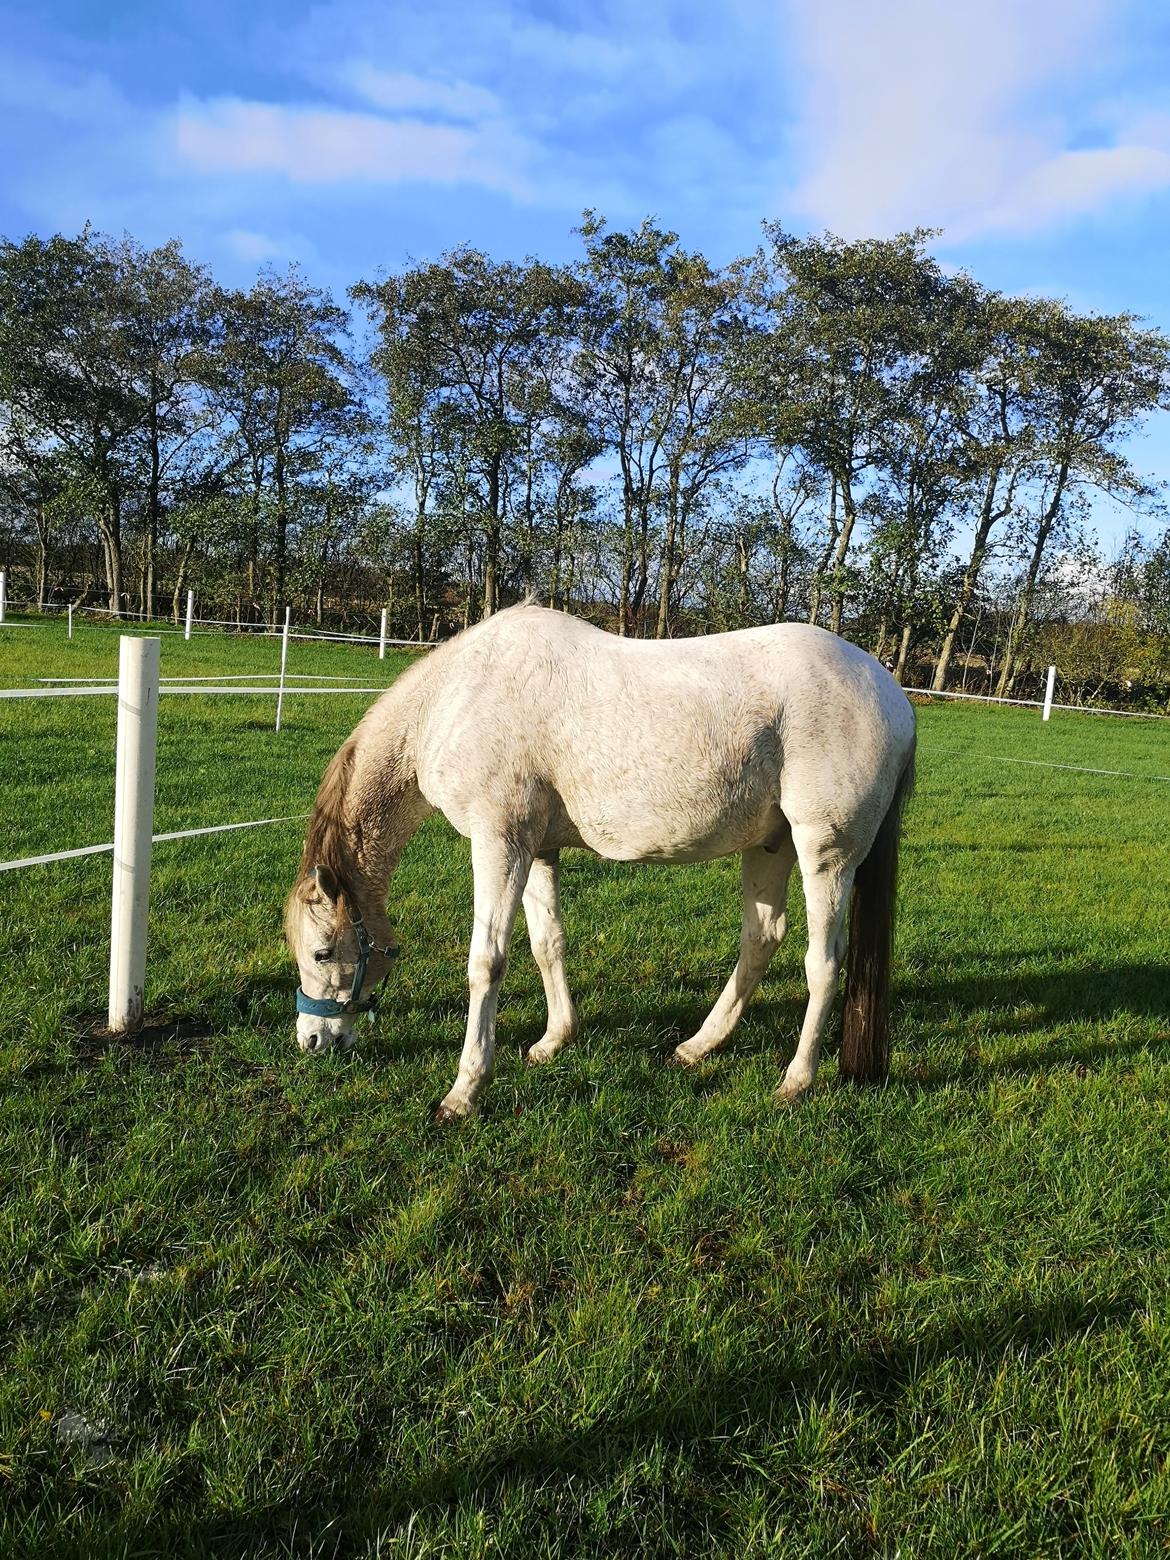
(256, 1305)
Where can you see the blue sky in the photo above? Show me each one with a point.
(351, 136)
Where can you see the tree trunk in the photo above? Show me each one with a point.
(181, 577)
(903, 652)
(253, 565)
(154, 485)
(988, 515)
(280, 480)
(529, 522)
(42, 524)
(1023, 612)
(110, 524)
(819, 573)
(558, 543)
(784, 580)
(627, 576)
(421, 493)
(491, 536)
(642, 570)
(669, 536)
(839, 557)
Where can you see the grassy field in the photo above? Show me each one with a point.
(254, 1305)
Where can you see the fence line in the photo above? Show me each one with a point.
(138, 691)
(1038, 704)
(193, 625)
(166, 688)
(259, 631)
(216, 677)
(183, 685)
(156, 839)
(1043, 763)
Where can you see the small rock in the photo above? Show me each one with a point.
(95, 1437)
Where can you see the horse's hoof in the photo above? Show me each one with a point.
(444, 1116)
(681, 1057)
(789, 1095)
(543, 1051)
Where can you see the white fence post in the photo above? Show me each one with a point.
(1048, 692)
(283, 664)
(190, 613)
(382, 637)
(133, 825)
(3, 593)
(70, 620)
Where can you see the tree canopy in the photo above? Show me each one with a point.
(840, 431)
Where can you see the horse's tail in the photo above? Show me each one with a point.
(865, 1039)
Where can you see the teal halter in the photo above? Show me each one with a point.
(328, 1007)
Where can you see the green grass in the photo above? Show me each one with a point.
(630, 1311)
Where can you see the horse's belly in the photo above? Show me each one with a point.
(639, 833)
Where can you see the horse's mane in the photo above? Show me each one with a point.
(330, 840)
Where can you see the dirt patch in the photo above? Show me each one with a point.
(158, 1032)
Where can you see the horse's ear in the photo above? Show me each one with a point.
(326, 880)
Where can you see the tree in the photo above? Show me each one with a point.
(162, 336)
(69, 403)
(1093, 378)
(284, 385)
(850, 324)
(707, 431)
(627, 382)
(464, 344)
(999, 444)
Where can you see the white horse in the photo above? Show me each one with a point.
(533, 731)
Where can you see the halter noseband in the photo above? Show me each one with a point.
(329, 1007)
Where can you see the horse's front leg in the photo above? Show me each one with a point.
(542, 911)
(501, 870)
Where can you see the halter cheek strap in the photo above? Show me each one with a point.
(328, 1007)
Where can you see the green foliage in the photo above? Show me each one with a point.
(593, 434)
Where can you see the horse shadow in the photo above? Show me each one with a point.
(1014, 1002)
(1004, 993)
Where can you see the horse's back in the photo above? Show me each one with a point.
(667, 749)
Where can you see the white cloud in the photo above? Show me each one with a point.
(247, 245)
(960, 114)
(579, 53)
(404, 93)
(255, 247)
(324, 145)
(69, 95)
(1074, 184)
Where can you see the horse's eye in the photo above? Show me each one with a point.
(322, 954)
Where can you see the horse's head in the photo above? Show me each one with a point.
(341, 965)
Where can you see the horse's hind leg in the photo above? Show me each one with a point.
(765, 920)
(542, 911)
(828, 878)
(500, 867)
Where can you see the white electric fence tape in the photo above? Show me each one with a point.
(156, 839)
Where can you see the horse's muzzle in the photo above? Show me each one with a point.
(315, 1036)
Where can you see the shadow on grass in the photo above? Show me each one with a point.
(1006, 998)
(705, 1415)
(1024, 1003)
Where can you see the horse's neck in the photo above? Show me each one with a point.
(384, 804)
